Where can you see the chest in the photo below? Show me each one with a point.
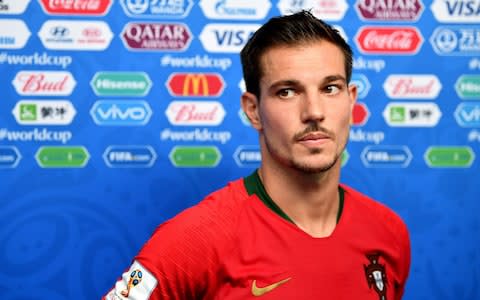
(268, 263)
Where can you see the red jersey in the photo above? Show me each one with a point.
(233, 246)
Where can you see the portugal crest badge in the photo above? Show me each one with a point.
(376, 276)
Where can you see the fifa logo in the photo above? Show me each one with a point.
(135, 279)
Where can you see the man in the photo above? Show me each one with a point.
(289, 230)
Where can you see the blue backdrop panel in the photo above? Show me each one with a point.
(116, 115)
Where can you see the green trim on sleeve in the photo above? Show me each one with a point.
(253, 185)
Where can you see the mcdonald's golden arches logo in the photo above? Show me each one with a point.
(195, 84)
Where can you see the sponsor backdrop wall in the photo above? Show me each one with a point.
(116, 115)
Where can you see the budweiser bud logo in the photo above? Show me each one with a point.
(407, 86)
(388, 40)
(193, 113)
(44, 83)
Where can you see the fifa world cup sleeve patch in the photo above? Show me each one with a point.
(136, 283)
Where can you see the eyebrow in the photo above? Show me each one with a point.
(293, 82)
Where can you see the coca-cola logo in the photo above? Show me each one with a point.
(48, 83)
(156, 36)
(404, 86)
(388, 40)
(76, 7)
(194, 113)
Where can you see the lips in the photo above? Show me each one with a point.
(313, 136)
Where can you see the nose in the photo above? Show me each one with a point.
(313, 108)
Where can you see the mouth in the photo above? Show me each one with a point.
(313, 138)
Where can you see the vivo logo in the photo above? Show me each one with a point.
(468, 115)
(121, 113)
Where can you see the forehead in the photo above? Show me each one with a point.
(317, 59)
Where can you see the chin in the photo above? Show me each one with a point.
(313, 168)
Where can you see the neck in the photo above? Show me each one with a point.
(310, 200)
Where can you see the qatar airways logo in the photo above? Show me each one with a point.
(412, 86)
(156, 36)
(195, 113)
(44, 83)
(392, 40)
(388, 10)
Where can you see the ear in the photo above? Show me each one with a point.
(352, 94)
(251, 108)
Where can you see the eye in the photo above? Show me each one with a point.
(333, 89)
(286, 93)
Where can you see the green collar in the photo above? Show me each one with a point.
(253, 185)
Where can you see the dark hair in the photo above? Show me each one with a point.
(289, 30)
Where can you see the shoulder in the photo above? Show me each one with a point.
(376, 215)
(183, 254)
(208, 224)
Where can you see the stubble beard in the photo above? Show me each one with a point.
(303, 167)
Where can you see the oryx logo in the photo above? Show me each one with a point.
(155, 8)
(376, 276)
(121, 112)
(195, 84)
(456, 40)
(136, 7)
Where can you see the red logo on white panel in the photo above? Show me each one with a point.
(195, 113)
(44, 83)
(75, 35)
(412, 86)
(389, 40)
(76, 7)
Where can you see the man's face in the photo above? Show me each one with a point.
(303, 115)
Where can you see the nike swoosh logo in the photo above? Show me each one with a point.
(260, 291)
